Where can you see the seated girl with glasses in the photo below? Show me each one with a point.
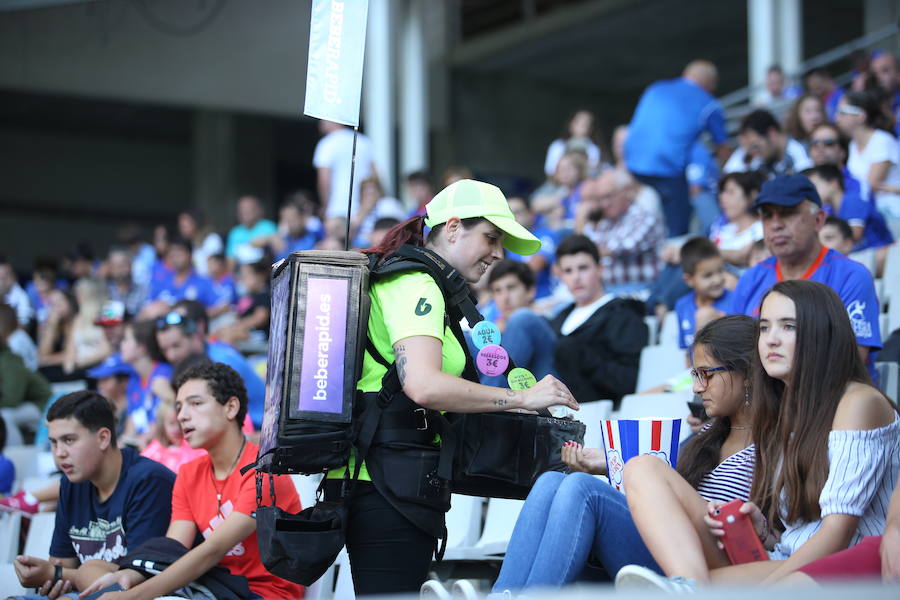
(568, 519)
(827, 455)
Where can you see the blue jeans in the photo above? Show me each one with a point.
(566, 519)
(530, 341)
(676, 200)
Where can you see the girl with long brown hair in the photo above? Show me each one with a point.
(827, 455)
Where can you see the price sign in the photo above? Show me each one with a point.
(492, 360)
(520, 379)
(485, 333)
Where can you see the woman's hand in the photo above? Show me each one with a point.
(126, 578)
(760, 525)
(549, 391)
(584, 460)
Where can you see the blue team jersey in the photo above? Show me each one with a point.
(703, 171)
(256, 389)
(139, 508)
(544, 281)
(194, 287)
(307, 241)
(686, 311)
(225, 290)
(852, 282)
(669, 118)
(862, 212)
(142, 402)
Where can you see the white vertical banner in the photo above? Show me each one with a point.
(337, 42)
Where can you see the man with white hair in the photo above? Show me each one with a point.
(669, 118)
(628, 237)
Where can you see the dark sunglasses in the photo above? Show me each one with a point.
(828, 142)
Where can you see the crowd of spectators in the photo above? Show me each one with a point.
(673, 218)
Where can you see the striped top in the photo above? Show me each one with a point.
(862, 475)
(731, 479)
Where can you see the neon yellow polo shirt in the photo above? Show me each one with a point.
(405, 305)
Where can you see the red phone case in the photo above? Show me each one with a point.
(742, 545)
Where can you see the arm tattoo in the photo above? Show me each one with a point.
(400, 360)
(510, 394)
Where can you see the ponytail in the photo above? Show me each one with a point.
(407, 232)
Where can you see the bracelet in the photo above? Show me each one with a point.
(57, 573)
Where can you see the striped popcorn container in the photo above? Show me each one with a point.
(624, 439)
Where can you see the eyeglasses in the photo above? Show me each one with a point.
(828, 142)
(172, 319)
(849, 109)
(702, 375)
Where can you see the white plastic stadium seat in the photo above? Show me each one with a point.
(463, 522)
(658, 364)
(40, 533)
(9, 582)
(10, 524)
(865, 258)
(592, 414)
(889, 378)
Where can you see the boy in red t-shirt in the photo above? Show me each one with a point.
(211, 497)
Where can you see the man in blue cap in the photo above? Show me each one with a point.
(792, 215)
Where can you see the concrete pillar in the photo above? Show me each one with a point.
(761, 39)
(790, 35)
(213, 167)
(414, 127)
(380, 81)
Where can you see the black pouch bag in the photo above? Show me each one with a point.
(300, 547)
(501, 454)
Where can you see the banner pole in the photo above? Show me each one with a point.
(350, 193)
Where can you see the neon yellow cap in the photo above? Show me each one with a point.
(468, 198)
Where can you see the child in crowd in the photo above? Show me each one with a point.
(252, 308)
(837, 235)
(758, 253)
(113, 376)
(815, 413)
(541, 262)
(149, 383)
(739, 225)
(221, 279)
(168, 446)
(568, 519)
(211, 497)
(703, 272)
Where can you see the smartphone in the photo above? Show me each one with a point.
(742, 545)
(696, 408)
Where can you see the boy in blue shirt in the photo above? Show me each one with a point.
(541, 262)
(110, 500)
(867, 224)
(704, 272)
